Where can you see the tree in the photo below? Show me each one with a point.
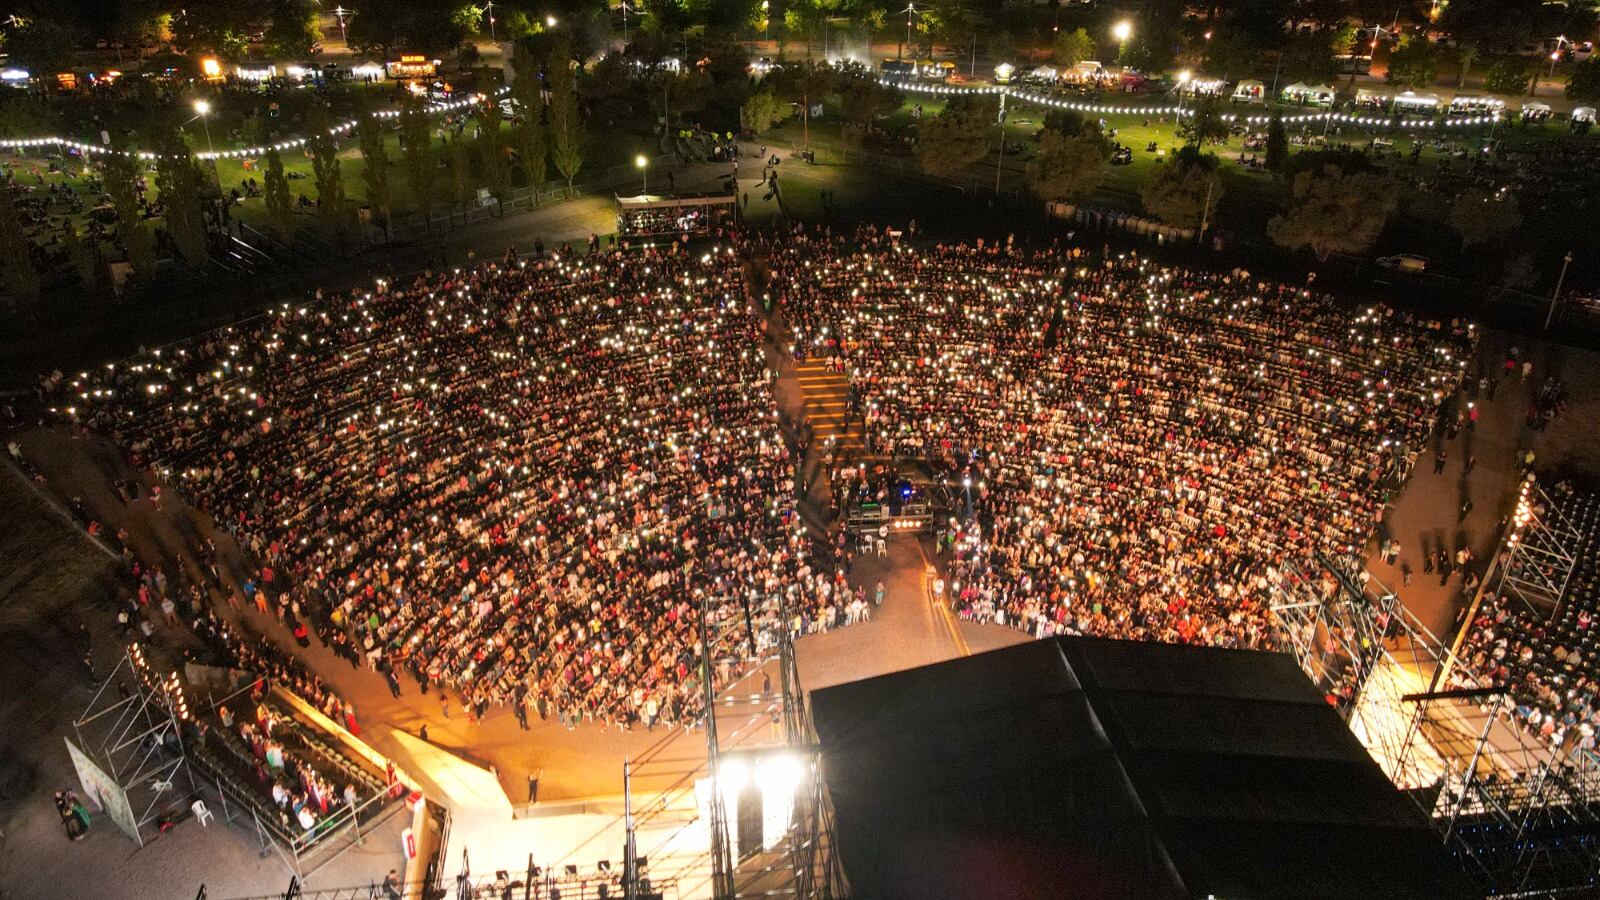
(530, 136)
(492, 156)
(1231, 56)
(957, 137)
(1413, 64)
(179, 182)
(1584, 84)
(1073, 47)
(1332, 210)
(280, 202)
(1480, 217)
(461, 184)
(84, 255)
(325, 173)
(568, 138)
(388, 27)
(1068, 167)
(1466, 55)
(416, 146)
(16, 253)
(1204, 123)
(375, 171)
(675, 94)
(221, 28)
(1277, 143)
(43, 45)
(1309, 58)
(1506, 75)
(863, 99)
(762, 111)
(1185, 189)
(122, 184)
(294, 30)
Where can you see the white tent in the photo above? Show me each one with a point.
(1365, 96)
(1583, 114)
(1300, 92)
(1249, 91)
(1415, 102)
(1475, 101)
(1043, 73)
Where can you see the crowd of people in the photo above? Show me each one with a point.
(518, 482)
(303, 790)
(1141, 445)
(1545, 656)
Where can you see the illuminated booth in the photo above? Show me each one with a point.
(648, 215)
(412, 66)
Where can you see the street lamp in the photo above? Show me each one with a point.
(488, 10)
(1555, 55)
(549, 21)
(339, 13)
(642, 165)
(1183, 81)
(1122, 31)
(1565, 261)
(202, 109)
(910, 10)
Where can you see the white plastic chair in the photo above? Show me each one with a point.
(202, 814)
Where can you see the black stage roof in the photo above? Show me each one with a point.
(1089, 768)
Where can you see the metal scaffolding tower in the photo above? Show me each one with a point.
(1521, 815)
(1540, 550)
(128, 745)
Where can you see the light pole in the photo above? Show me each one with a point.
(1555, 57)
(488, 10)
(1550, 317)
(997, 161)
(339, 12)
(643, 165)
(625, 12)
(1122, 31)
(1183, 82)
(202, 109)
(910, 10)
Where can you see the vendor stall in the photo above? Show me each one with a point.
(1249, 91)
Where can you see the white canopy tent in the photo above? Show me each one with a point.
(1314, 94)
(1411, 101)
(1249, 91)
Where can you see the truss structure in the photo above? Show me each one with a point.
(1540, 550)
(1521, 815)
(128, 748)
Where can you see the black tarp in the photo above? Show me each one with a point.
(1089, 768)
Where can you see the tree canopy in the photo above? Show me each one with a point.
(1332, 210)
(1185, 189)
(1068, 167)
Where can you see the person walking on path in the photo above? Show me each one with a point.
(1439, 459)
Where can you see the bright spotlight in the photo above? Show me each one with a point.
(1122, 30)
(202, 107)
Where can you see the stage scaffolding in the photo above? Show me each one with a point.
(128, 745)
(1539, 552)
(754, 802)
(1520, 815)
